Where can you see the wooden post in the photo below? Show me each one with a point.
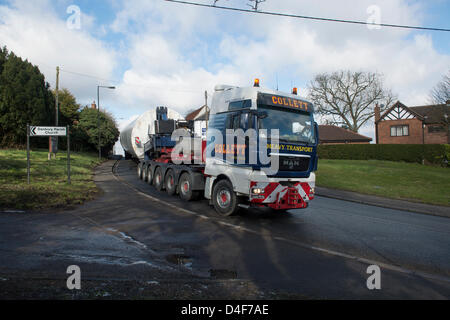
(28, 153)
(68, 154)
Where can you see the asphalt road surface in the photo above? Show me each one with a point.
(134, 231)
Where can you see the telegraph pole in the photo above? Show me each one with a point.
(57, 97)
(53, 142)
(257, 2)
(207, 110)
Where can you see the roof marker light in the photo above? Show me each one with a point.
(256, 83)
(294, 91)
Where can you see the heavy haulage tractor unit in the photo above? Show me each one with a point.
(229, 169)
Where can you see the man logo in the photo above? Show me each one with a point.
(374, 281)
(74, 281)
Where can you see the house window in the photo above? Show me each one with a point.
(432, 129)
(399, 131)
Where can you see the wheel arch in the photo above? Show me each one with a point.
(221, 177)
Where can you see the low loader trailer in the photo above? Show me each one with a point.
(240, 162)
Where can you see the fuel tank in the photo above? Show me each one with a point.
(136, 134)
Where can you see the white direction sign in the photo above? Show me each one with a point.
(48, 131)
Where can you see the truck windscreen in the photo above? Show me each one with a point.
(294, 126)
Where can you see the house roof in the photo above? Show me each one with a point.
(196, 115)
(433, 113)
(429, 114)
(329, 133)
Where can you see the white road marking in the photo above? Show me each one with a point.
(300, 244)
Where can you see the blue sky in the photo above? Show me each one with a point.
(160, 53)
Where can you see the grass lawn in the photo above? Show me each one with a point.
(49, 187)
(397, 180)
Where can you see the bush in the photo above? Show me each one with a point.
(432, 153)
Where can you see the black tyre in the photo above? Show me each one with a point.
(139, 171)
(158, 180)
(144, 172)
(169, 183)
(149, 175)
(185, 188)
(224, 199)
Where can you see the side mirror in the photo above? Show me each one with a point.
(262, 115)
(316, 132)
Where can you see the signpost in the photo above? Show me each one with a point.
(33, 131)
(48, 132)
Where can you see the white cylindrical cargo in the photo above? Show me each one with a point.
(136, 134)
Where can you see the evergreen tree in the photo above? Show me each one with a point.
(69, 109)
(85, 133)
(3, 55)
(25, 98)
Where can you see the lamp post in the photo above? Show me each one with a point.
(98, 117)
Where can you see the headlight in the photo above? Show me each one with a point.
(257, 191)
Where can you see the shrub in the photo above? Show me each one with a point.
(432, 153)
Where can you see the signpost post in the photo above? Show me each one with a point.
(28, 153)
(33, 131)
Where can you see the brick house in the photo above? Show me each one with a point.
(413, 125)
(199, 114)
(329, 134)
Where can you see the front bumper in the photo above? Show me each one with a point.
(280, 196)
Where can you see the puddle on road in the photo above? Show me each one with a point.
(222, 274)
(127, 238)
(180, 260)
(12, 211)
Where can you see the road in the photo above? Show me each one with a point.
(321, 252)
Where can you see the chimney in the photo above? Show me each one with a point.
(93, 105)
(377, 113)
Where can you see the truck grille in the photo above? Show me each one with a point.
(294, 164)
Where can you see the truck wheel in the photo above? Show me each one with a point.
(144, 172)
(158, 180)
(171, 188)
(139, 171)
(224, 199)
(185, 188)
(149, 175)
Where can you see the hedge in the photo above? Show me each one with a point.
(431, 153)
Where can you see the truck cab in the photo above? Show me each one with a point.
(261, 149)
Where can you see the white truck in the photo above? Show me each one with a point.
(234, 168)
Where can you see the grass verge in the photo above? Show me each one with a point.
(396, 180)
(49, 187)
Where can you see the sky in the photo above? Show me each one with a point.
(159, 53)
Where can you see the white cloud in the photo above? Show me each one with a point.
(33, 31)
(174, 52)
(257, 45)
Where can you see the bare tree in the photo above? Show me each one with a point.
(348, 98)
(255, 6)
(441, 92)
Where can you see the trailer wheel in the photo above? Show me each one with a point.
(149, 175)
(169, 183)
(185, 188)
(144, 172)
(158, 180)
(224, 198)
(139, 170)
